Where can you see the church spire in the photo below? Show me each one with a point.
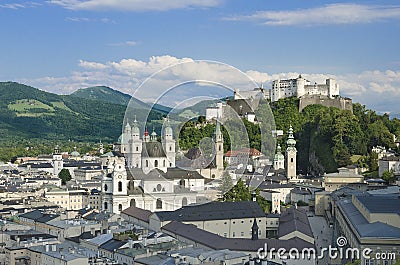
(254, 230)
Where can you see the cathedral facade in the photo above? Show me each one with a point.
(142, 173)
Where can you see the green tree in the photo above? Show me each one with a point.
(373, 161)
(388, 176)
(64, 175)
(240, 192)
(226, 183)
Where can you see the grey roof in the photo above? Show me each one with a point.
(362, 226)
(153, 149)
(213, 211)
(294, 220)
(381, 204)
(100, 239)
(112, 245)
(244, 106)
(159, 259)
(137, 173)
(214, 241)
(112, 154)
(138, 213)
(178, 173)
(97, 216)
(63, 255)
(39, 216)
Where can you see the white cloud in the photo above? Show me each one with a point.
(85, 19)
(128, 43)
(328, 14)
(20, 5)
(134, 5)
(376, 89)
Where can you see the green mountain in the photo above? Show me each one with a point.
(29, 113)
(109, 95)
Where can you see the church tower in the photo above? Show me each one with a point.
(125, 137)
(219, 146)
(279, 159)
(136, 147)
(168, 143)
(115, 186)
(291, 153)
(57, 161)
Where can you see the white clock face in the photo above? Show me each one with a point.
(120, 177)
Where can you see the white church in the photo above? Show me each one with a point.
(142, 173)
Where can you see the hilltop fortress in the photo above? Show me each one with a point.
(323, 94)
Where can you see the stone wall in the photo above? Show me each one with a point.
(339, 102)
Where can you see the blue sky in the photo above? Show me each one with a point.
(63, 45)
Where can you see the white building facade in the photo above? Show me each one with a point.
(284, 88)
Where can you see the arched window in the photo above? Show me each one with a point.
(133, 203)
(147, 163)
(156, 163)
(291, 159)
(158, 204)
(105, 187)
(184, 201)
(163, 163)
(105, 205)
(120, 207)
(170, 148)
(182, 182)
(119, 186)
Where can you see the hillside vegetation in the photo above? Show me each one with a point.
(327, 138)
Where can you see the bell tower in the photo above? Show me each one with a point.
(219, 145)
(169, 144)
(291, 153)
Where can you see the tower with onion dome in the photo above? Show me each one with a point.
(291, 153)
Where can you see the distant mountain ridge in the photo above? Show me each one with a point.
(27, 112)
(109, 95)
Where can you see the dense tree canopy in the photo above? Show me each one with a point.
(327, 138)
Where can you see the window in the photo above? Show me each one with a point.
(158, 204)
(133, 203)
(147, 163)
(156, 163)
(184, 201)
(119, 186)
(170, 148)
(241, 233)
(291, 159)
(159, 188)
(163, 163)
(120, 207)
(105, 187)
(137, 148)
(105, 205)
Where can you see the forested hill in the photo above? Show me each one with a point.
(329, 138)
(30, 113)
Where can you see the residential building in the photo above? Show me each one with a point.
(334, 181)
(69, 199)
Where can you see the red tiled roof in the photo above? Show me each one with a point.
(244, 151)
